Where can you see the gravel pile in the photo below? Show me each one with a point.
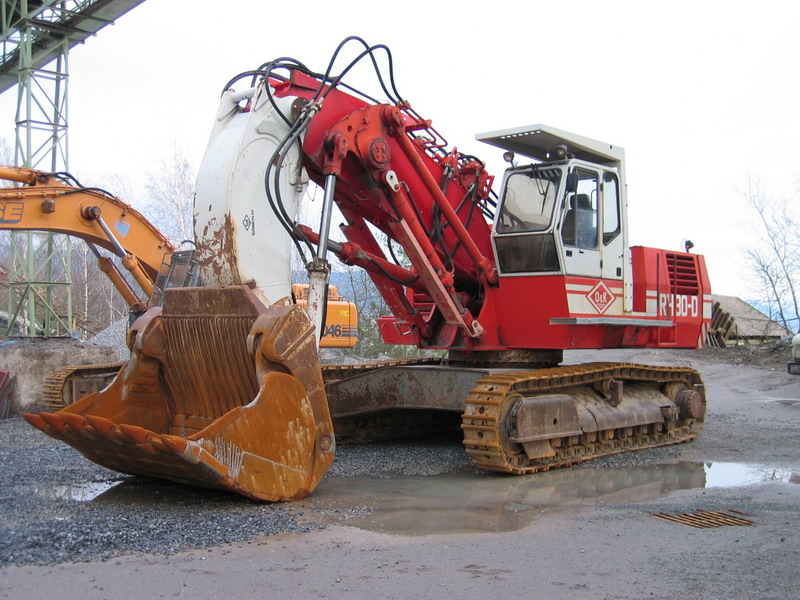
(114, 336)
(774, 355)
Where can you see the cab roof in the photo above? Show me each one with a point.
(540, 141)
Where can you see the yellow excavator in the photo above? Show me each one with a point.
(104, 221)
(224, 387)
(215, 324)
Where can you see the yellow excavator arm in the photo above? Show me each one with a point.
(45, 202)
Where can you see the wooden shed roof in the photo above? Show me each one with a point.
(750, 322)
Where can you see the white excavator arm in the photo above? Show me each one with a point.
(240, 240)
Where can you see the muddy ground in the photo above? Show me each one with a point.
(416, 520)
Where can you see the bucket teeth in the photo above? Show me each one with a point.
(53, 421)
(176, 444)
(137, 434)
(36, 420)
(72, 420)
(100, 424)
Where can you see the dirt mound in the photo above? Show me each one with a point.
(773, 356)
(31, 359)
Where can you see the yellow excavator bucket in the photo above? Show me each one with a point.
(221, 391)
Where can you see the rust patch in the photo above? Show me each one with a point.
(217, 254)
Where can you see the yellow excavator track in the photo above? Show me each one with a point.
(488, 421)
(66, 385)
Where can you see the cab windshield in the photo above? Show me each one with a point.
(528, 200)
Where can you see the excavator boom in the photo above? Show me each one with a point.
(46, 203)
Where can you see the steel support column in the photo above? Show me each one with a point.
(40, 282)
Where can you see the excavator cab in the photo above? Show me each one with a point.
(524, 230)
(565, 213)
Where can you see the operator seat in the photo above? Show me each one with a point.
(579, 227)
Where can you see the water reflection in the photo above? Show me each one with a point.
(465, 503)
(739, 475)
(457, 503)
(80, 492)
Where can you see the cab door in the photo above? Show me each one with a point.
(580, 226)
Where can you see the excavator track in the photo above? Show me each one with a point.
(487, 421)
(66, 385)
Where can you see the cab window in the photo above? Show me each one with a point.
(611, 224)
(528, 200)
(579, 227)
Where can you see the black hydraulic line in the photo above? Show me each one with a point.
(66, 177)
(471, 192)
(324, 312)
(391, 251)
(392, 277)
(89, 189)
(272, 174)
(296, 129)
(438, 229)
(269, 72)
(70, 179)
(369, 50)
(242, 75)
(416, 210)
(262, 70)
(275, 164)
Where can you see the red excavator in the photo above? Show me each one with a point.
(224, 390)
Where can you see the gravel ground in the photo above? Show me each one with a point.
(56, 507)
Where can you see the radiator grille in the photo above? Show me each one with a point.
(682, 271)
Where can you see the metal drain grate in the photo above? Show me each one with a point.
(706, 519)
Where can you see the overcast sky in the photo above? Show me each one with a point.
(701, 95)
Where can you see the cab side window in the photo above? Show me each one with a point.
(611, 224)
(579, 227)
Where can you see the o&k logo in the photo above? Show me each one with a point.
(600, 297)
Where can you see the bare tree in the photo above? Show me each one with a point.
(774, 259)
(171, 197)
(6, 152)
(359, 289)
(6, 158)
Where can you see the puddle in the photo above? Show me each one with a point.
(779, 400)
(739, 475)
(80, 492)
(470, 503)
(462, 502)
